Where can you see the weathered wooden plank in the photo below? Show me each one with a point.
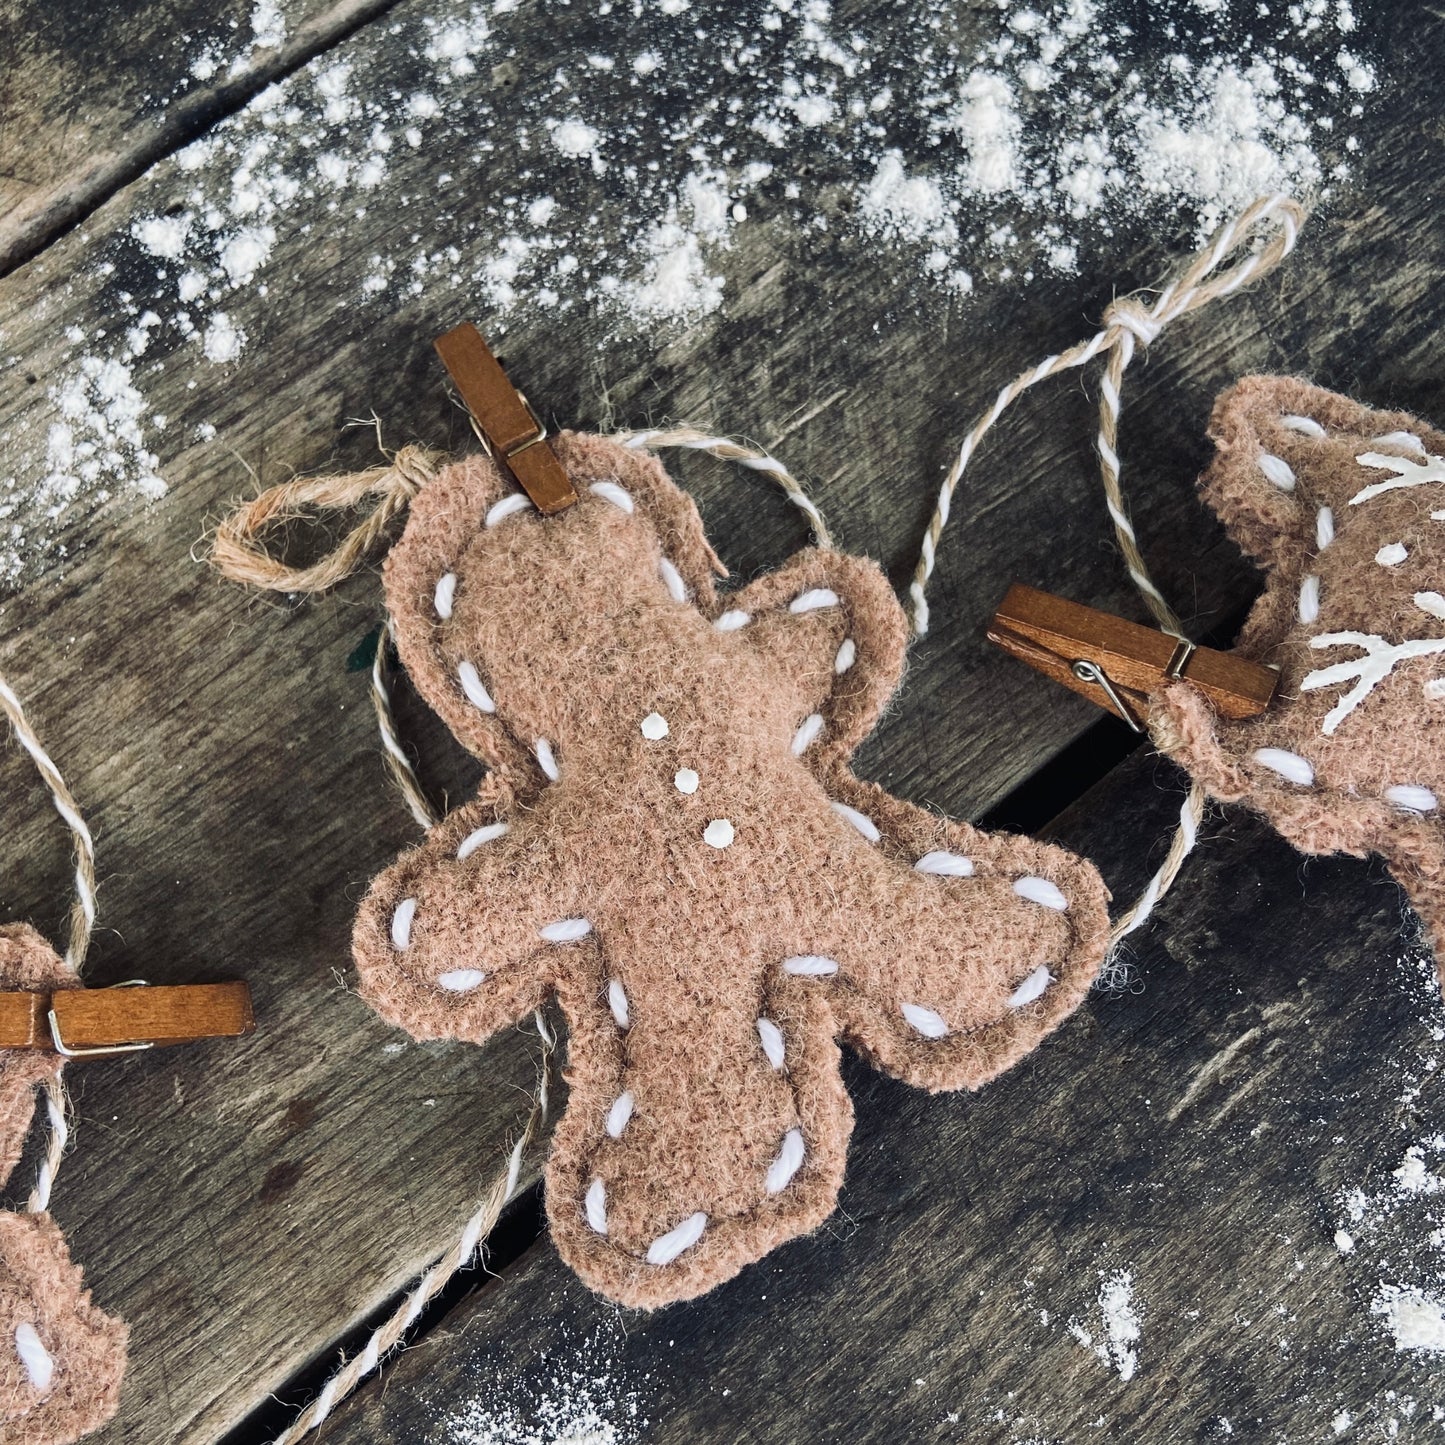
(90, 97)
(1177, 1161)
(227, 753)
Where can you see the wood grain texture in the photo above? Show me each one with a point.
(244, 1205)
(91, 96)
(1199, 1132)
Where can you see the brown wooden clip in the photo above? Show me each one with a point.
(510, 430)
(1118, 664)
(81, 1022)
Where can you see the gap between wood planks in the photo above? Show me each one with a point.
(186, 120)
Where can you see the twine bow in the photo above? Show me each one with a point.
(1128, 320)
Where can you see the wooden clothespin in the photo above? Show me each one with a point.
(510, 430)
(1118, 664)
(81, 1022)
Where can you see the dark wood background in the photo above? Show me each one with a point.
(248, 1208)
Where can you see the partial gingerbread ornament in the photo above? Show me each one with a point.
(672, 843)
(1344, 507)
(61, 1359)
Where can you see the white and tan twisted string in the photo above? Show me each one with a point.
(1274, 222)
(691, 439)
(387, 1336)
(82, 924)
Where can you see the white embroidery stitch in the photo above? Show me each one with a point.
(1373, 668)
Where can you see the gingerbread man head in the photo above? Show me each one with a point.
(61, 1359)
(671, 843)
(1344, 507)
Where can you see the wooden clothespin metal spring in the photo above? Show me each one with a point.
(1118, 664)
(508, 427)
(84, 1022)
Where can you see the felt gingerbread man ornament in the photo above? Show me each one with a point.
(670, 842)
(61, 1359)
(1344, 507)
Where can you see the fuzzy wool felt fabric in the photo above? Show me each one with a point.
(61, 1359)
(670, 842)
(1344, 508)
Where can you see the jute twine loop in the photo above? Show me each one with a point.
(1126, 321)
(82, 924)
(236, 551)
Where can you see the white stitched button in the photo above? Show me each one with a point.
(1032, 987)
(667, 1248)
(565, 930)
(861, 821)
(810, 965)
(771, 1037)
(672, 579)
(617, 1002)
(474, 688)
(596, 1206)
(487, 833)
(39, 1367)
(813, 599)
(1278, 471)
(807, 733)
(619, 1114)
(512, 502)
(1288, 765)
(611, 492)
(1412, 798)
(945, 864)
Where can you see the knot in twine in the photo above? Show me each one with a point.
(1128, 313)
(236, 550)
(1127, 320)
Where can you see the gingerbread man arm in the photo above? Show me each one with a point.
(460, 937)
(831, 630)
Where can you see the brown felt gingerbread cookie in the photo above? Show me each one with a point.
(670, 841)
(61, 1359)
(1344, 507)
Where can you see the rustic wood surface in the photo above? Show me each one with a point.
(246, 1206)
(90, 100)
(1197, 1131)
